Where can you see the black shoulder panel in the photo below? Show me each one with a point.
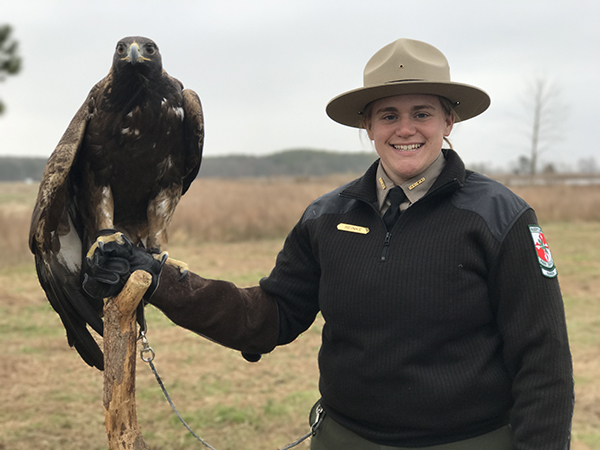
(497, 205)
(330, 203)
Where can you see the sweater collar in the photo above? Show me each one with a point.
(452, 178)
(415, 188)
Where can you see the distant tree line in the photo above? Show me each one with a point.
(21, 169)
(300, 162)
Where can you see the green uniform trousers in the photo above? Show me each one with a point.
(332, 436)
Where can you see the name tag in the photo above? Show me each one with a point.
(352, 228)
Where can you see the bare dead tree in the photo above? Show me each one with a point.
(545, 115)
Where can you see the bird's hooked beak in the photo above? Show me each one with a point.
(134, 54)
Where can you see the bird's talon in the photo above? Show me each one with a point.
(183, 267)
(117, 237)
(160, 257)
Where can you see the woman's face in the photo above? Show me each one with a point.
(408, 132)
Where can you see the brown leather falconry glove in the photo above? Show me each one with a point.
(242, 319)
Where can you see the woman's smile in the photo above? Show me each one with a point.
(407, 147)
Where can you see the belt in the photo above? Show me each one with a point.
(332, 436)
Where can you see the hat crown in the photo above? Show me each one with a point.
(406, 60)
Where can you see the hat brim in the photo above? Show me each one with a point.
(347, 108)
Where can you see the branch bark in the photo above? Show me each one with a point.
(120, 335)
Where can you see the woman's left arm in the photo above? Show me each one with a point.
(531, 319)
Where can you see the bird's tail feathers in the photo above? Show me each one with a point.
(74, 309)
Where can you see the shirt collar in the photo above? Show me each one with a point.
(415, 188)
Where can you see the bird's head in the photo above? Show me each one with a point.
(137, 52)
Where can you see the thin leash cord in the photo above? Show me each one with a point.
(147, 349)
(162, 386)
(298, 442)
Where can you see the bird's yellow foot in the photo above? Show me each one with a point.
(117, 237)
(182, 266)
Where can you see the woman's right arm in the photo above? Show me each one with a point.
(255, 319)
(244, 319)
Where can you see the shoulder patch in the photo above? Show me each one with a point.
(542, 251)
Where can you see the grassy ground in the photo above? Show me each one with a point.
(575, 248)
(52, 400)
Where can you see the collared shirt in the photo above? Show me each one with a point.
(414, 188)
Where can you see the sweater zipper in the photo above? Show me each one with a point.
(386, 241)
(386, 246)
(388, 235)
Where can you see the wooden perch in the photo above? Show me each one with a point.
(120, 352)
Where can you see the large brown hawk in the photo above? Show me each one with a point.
(129, 154)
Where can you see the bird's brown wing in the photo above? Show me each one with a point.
(55, 238)
(194, 129)
(193, 122)
(50, 201)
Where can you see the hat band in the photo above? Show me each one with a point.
(404, 80)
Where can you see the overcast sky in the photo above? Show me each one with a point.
(265, 69)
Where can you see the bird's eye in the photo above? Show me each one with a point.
(121, 47)
(150, 49)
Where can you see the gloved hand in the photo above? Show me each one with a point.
(109, 267)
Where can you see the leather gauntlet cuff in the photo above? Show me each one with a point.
(244, 319)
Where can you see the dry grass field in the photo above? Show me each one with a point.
(233, 230)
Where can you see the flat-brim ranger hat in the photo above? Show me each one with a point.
(407, 66)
